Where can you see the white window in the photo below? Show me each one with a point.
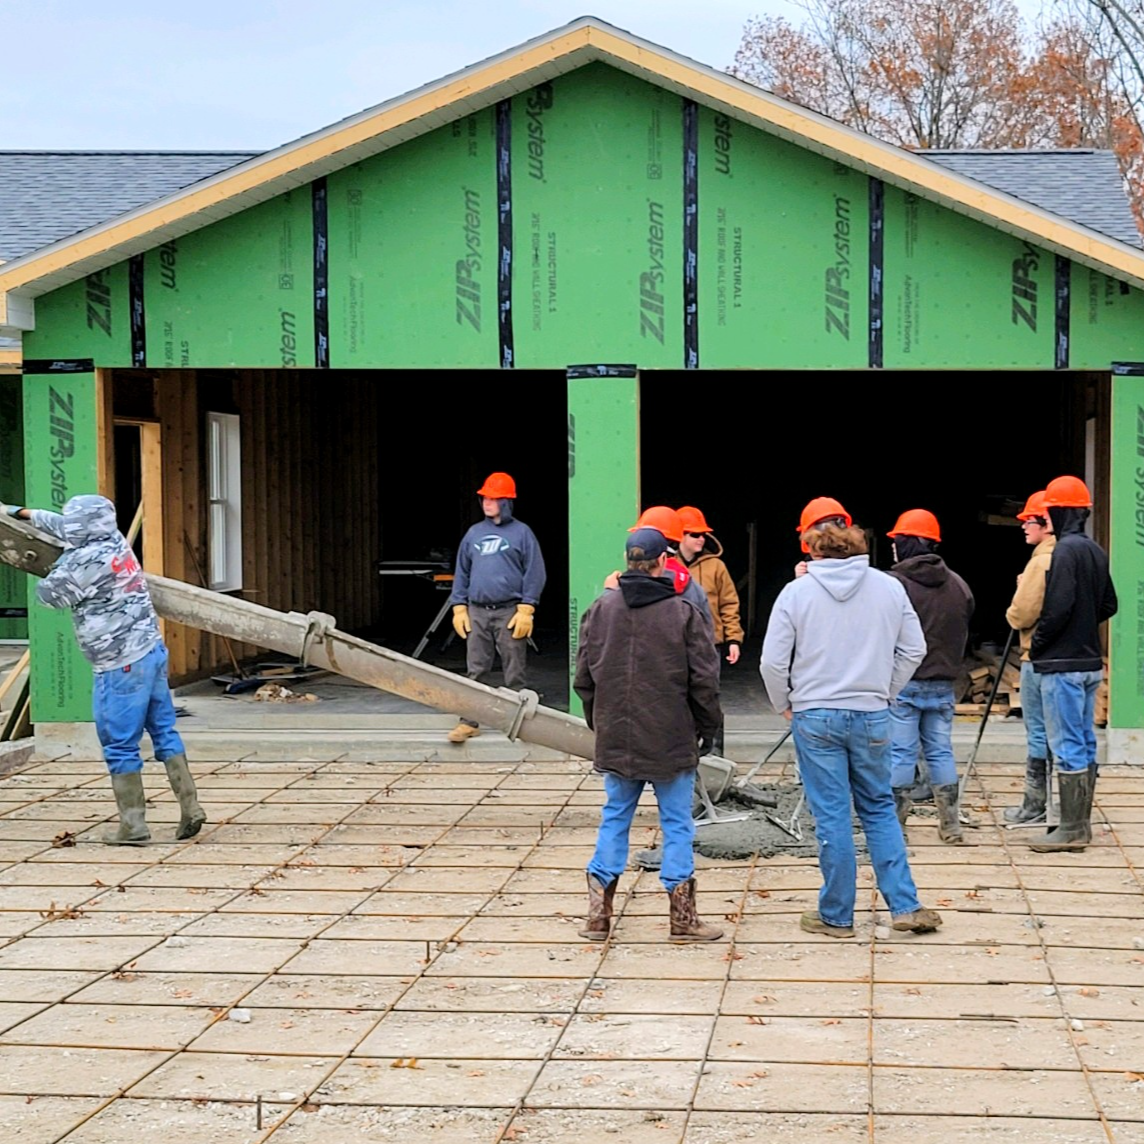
(224, 491)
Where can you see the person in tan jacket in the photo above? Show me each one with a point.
(701, 554)
(1022, 615)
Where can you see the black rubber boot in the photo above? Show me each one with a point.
(191, 814)
(948, 802)
(132, 804)
(1093, 771)
(1032, 808)
(1074, 831)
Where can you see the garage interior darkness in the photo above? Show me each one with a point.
(343, 470)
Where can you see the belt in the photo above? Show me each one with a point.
(493, 607)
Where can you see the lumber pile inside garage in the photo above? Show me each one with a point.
(980, 670)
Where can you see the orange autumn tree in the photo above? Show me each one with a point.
(951, 74)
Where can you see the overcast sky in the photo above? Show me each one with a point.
(251, 74)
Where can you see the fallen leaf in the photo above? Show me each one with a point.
(761, 1074)
(51, 914)
(1134, 1076)
(742, 1082)
(945, 901)
(832, 1021)
(64, 838)
(1088, 991)
(755, 1019)
(591, 1079)
(913, 992)
(732, 955)
(763, 999)
(476, 1072)
(183, 993)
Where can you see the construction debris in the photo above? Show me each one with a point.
(277, 693)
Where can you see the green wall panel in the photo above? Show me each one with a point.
(959, 294)
(1126, 632)
(239, 292)
(597, 200)
(60, 461)
(783, 253)
(603, 490)
(86, 319)
(13, 584)
(413, 252)
(1106, 320)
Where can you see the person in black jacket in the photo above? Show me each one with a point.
(1066, 652)
(648, 676)
(923, 708)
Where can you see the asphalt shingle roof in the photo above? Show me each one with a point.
(49, 195)
(1082, 185)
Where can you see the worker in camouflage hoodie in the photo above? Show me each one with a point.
(99, 579)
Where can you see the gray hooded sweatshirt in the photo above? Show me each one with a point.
(100, 580)
(844, 636)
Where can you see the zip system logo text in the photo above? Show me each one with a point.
(837, 306)
(61, 427)
(98, 298)
(722, 145)
(538, 102)
(651, 280)
(468, 284)
(1025, 288)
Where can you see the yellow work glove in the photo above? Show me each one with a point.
(461, 623)
(521, 623)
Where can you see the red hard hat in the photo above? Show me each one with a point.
(498, 486)
(1067, 492)
(663, 519)
(693, 520)
(1035, 506)
(819, 509)
(917, 522)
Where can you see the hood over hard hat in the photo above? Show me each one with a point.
(917, 522)
(1067, 492)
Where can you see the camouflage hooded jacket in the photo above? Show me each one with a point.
(100, 580)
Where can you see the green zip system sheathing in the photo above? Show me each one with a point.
(603, 489)
(13, 591)
(553, 229)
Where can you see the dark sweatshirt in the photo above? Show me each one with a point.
(944, 603)
(1079, 597)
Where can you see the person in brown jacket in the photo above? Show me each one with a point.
(1022, 615)
(648, 677)
(701, 554)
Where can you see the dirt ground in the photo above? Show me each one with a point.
(389, 950)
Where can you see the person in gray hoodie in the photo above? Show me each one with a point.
(841, 642)
(99, 579)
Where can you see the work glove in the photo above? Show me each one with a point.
(461, 623)
(706, 745)
(9, 509)
(521, 623)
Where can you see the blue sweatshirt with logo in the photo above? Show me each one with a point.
(497, 563)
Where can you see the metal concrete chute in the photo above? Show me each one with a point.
(314, 639)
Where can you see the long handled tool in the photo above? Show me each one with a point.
(985, 716)
(766, 759)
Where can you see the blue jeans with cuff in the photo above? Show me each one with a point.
(843, 756)
(674, 798)
(1069, 699)
(130, 700)
(923, 712)
(1033, 712)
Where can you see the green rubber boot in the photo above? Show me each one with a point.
(192, 816)
(132, 805)
(1032, 808)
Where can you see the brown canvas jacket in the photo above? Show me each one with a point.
(647, 673)
(714, 578)
(1025, 610)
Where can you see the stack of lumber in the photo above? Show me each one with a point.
(15, 707)
(1100, 711)
(975, 686)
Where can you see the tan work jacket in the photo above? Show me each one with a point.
(711, 573)
(1025, 610)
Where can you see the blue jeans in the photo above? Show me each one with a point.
(1033, 712)
(674, 797)
(130, 700)
(1069, 698)
(923, 711)
(844, 755)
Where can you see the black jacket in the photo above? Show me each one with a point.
(944, 603)
(1079, 597)
(647, 673)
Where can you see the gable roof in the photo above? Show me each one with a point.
(585, 40)
(1076, 183)
(46, 196)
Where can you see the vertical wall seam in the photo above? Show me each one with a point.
(137, 311)
(1061, 295)
(690, 234)
(877, 268)
(504, 233)
(321, 274)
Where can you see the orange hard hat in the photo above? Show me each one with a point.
(917, 522)
(498, 486)
(663, 519)
(693, 520)
(1035, 506)
(1067, 492)
(821, 508)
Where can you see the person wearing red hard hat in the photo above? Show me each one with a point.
(496, 587)
(922, 713)
(1066, 653)
(1022, 615)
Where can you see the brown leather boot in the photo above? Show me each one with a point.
(685, 921)
(598, 924)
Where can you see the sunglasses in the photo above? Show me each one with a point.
(695, 534)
